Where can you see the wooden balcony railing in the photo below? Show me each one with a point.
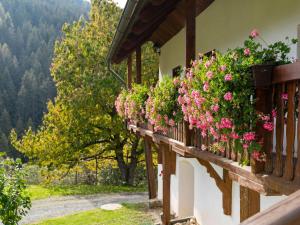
(282, 146)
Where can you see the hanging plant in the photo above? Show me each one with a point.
(162, 108)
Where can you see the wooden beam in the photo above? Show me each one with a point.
(129, 72)
(150, 169)
(224, 185)
(249, 203)
(167, 157)
(286, 212)
(267, 185)
(138, 65)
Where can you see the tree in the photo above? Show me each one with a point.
(82, 123)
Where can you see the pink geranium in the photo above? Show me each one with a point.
(206, 87)
(209, 74)
(247, 51)
(228, 96)
(254, 33)
(268, 126)
(228, 77)
(215, 108)
(223, 68)
(284, 96)
(249, 136)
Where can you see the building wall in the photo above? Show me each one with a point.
(226, 24)
(223, 25)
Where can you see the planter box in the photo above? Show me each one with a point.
(262, 75)
(257, 166)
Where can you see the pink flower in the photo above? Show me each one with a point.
(226, 123)
(234, 135)
(207, 64)
(254, 33)
(171, 122)
(215, 108)
(228, 77)
(228, 96)
(268, 126)
(265, 117)
(176, 81)
(245, 146)
(209, 74)
(249, 136)
(247, 52)
(274, 113)
(206, 87)
(224, 138)
(203, 147)
(284, 96)
(223, 68)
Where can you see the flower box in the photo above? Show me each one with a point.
(257, 166)
(262, 75)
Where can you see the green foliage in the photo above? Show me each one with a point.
(135, 103)
(162, 108)
(128, 215)
(14, 200)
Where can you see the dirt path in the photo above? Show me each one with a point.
(61, 206)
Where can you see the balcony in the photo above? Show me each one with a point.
(281, 172)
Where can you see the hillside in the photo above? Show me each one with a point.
(28, 30)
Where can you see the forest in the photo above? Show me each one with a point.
(28, 31)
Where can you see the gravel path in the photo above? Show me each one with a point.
(61, 206)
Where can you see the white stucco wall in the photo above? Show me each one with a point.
(207, 199)
(226, 24)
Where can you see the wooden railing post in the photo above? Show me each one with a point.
(263, 91)
(150, 169)
(190, 12)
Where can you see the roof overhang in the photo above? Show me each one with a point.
(149, 20)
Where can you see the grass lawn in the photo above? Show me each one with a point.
(40, 192)
(130, 214)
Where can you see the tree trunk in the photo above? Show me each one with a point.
(128, 170)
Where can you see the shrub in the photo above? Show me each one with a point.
(14, 201)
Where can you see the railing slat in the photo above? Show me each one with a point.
(297, 168)
(278, 171)
(290, 133)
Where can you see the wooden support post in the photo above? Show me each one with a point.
(167, 167)
(249, 203)
(138, 65)
(190, 12)
(129, 72)
(227, 193)
(150, 169)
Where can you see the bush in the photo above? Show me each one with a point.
(14, 200)
(162, 108)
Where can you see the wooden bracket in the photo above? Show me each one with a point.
(224, 185)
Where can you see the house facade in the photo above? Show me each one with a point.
(189, 182)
